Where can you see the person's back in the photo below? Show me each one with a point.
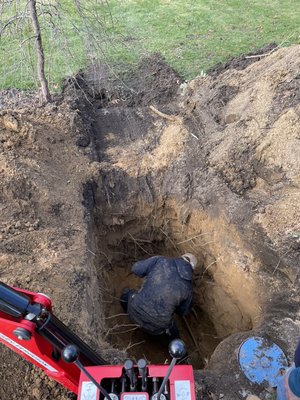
(167, 289)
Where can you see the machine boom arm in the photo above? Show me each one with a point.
(28, 327)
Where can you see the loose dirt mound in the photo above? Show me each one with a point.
(97, 181)
(244, 60)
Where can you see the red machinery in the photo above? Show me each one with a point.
(28, 327)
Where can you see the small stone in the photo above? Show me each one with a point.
(36, 224)
(51, 384)
(230, 118)
(252, 397)
(11, 123)
(36, 393)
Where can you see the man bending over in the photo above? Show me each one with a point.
(167, 290)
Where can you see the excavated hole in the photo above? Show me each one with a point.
(122, 241)
(121, 332)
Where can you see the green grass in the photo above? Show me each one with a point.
(192, 35)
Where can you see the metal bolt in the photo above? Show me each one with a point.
(22, 334)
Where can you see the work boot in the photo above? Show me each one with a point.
(172, 331)
(126, 293)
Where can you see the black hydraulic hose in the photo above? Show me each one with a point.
(18, 305)
(59, 335)
(14, 303)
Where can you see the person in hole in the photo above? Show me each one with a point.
(167, 290)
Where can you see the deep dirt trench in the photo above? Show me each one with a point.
(132, 219)
(99, 179)
(217, 312)
(192, 176)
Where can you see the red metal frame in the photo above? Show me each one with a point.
(181, 375)
(39, 351)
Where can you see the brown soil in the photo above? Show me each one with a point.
(244, 60)
(99, 179)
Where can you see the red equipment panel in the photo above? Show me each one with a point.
(181, 381)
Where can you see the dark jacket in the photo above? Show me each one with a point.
(167, 289)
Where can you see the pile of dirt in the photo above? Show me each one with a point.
(244, 60)
(96, 181)
(151, 82)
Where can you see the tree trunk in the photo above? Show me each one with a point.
(39, 52)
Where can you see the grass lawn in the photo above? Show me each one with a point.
(192, 35)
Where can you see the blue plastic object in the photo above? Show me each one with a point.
(262, 361)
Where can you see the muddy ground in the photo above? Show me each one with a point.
(116, 170)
